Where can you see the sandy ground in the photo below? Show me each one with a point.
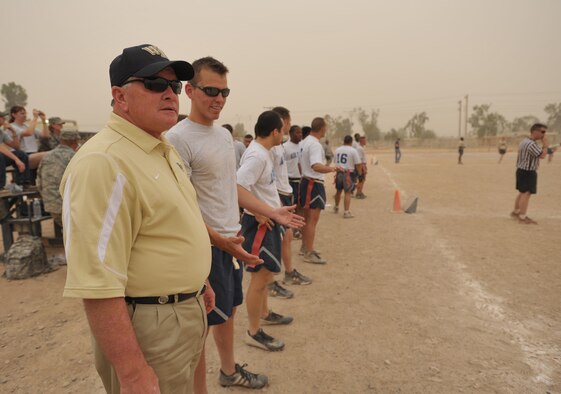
(457, 298)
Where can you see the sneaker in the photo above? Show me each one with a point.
(527, 220)
(302, 251)
(243, 378)
(296, 234)
(296, 278)
(514, 215)
(314, 258)
(276, 319)
(264, 341)
(276, 290)
(335, 209)
(348, 215)
(360, 196)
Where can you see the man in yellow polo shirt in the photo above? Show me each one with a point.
(137, 248)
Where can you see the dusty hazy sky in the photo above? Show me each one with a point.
(313, 57)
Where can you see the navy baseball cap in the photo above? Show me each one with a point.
(145, 61)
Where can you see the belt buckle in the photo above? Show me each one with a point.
(163, 299)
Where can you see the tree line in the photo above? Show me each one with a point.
(484, 122)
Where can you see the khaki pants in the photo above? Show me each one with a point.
(171, 337)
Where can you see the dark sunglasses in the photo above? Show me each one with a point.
(212, 91)
(158, 84)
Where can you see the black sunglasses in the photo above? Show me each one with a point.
(212, 91)
(158, 84)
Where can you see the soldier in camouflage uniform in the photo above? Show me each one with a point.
(51, 170)
(52, 141)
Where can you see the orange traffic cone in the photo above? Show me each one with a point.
(396, 203)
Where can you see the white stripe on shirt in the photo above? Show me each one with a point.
(109, 221)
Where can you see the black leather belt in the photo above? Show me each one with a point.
(161, 300)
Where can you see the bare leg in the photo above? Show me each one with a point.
(347, 202)
(265, 303)
(224, 340)
(523, 201)
(35, 159)
(254, 298)
(309, 232)
(337, 198)
(517, 203)
(287, 250)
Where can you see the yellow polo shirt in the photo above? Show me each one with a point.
(132, 225)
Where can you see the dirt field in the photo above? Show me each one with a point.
(456, 298)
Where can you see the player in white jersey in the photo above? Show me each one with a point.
(207, 151)
(312, 190)
(292, 150)
(262, 235)
(356, 144)
(348, 159)
(291, 275)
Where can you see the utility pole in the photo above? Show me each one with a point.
(460, 119)
(466, 115)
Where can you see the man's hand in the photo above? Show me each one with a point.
(145, 382)
(20, 165)
(285, 217)
(233, 246)
(209, 297)
(264, 220)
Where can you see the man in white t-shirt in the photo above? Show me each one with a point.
(291, 275)
(312, 190)
(348, 159)
(262, 235)
(292, 151)
(207, 151)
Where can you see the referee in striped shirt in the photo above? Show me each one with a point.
(529, 155)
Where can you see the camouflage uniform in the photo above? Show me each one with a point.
(49, 143)
(49, 175)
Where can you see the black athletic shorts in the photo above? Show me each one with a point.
(226, 281)
(312, 194)
(526, 181)
(295, 183)
(262, 242)
(345, 180)
(287, 200)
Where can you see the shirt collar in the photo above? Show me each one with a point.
(136, 135)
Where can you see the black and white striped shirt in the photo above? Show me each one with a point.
(528, 155)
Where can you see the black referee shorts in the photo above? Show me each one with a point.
(526, 181)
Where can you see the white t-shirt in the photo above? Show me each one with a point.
(311, 153)
(361, 154)
(281, 171)
(240, 149)
(209, 157)
(29, 143)
(292, 152)
(257, 174)
(347, 157)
